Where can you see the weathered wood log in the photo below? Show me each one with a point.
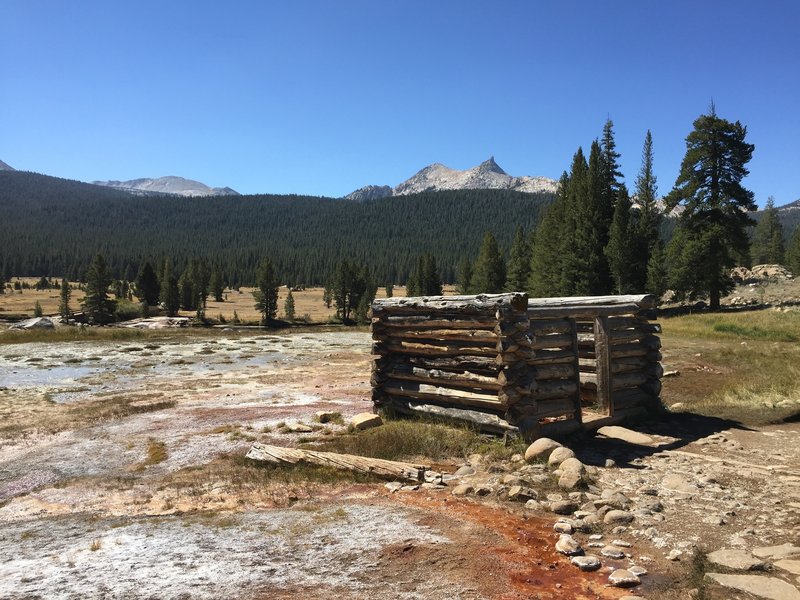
(481, 420)
(434, 322)
(544, 390)
(473, 364)
(555, 407)
(643, 301)
(652, 387)
(544, 327)
(447, 335)
(418, 391)
(564, 371)
(620, 381)
(432, 349)
(481, 303)
(443, 378)
(625, 365)
(549, 357)
(552, 341)
(510, 329)
(360, 464)
(536, 311)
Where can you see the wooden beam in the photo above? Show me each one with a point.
(603, 357)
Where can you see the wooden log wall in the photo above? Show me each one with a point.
(460, 357)
(507, 363)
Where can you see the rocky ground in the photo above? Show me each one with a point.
(119, 478)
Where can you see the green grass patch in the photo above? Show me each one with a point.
(762, 325)
(407, 439)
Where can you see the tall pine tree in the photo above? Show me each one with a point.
(767, 247)
(712, 229)
(169, 295)
(489, 275)
(649, 216)
(519, 263)
(97, 306)
(266, 294)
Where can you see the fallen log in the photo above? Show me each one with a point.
(360, 464)
(456, 304)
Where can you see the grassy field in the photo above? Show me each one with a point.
(743, 366)
(308, 303)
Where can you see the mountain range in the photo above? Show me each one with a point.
(438, 177)
(176, 186)
(5, 167)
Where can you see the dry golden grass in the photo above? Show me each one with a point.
(308, 303)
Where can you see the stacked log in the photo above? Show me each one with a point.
(465, 354)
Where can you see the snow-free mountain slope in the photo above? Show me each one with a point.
(177, 186)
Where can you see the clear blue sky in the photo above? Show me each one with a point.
(322, 97)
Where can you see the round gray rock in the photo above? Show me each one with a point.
(559, 455)
(617, 516)
(586, 563)
(568, 545)
(541, 448)
(623, 578)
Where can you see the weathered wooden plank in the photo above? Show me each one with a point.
(361, 464)
(474, 364)
(603, 368)
(642, 301)
(563, 371)
(577, 414)
(620, 381)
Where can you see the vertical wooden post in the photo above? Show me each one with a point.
(576, 397)
(602, 353)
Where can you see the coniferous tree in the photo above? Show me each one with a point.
(767, 247)
(389, 290)
(620, 250)
(431, 279)
(793, 253)
(186, 289)
(266, 296)
(464, 276)
(519, 263)
(352, 291)
(201, 279)
(489, 275)
(99, 308)
(649, 216)
(147, 285)
(37, 309)
(657, 271)
(170, 295)
(712, 228)
(63, 300)
(288, 306)
(550, 242)
(217, 285)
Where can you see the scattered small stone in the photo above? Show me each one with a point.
(410, 488)
(541, 448)
(638, 571)
(393, 486)
(610, 463)
(672, 373)
(674, 554)
(464, 471)
(586, 563)
(621, 544)
(559, 455)
(572, 464)
(617, 516)
(568, 545)
(596, 536)
(463, 490)
(299, 427)
(596, 545)
(611, 552)
(737, 560)
(570, 480)
(623, 578)
(563, 527)
(326, 416)
(533, 505)
(366, 421)
(563, 507)
(678, 483)
(519, 493)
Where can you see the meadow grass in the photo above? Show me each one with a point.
(742, 366)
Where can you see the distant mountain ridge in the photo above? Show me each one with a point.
(438, 177)
(5, 167)
(176, 186)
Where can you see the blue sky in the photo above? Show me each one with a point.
(322, 97)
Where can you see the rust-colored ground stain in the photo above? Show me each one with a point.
(525, 563)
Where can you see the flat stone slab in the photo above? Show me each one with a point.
(626, 435)
(737, 560)
(786, 550)
(761, 586)
(623, 578)
(793, 566)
